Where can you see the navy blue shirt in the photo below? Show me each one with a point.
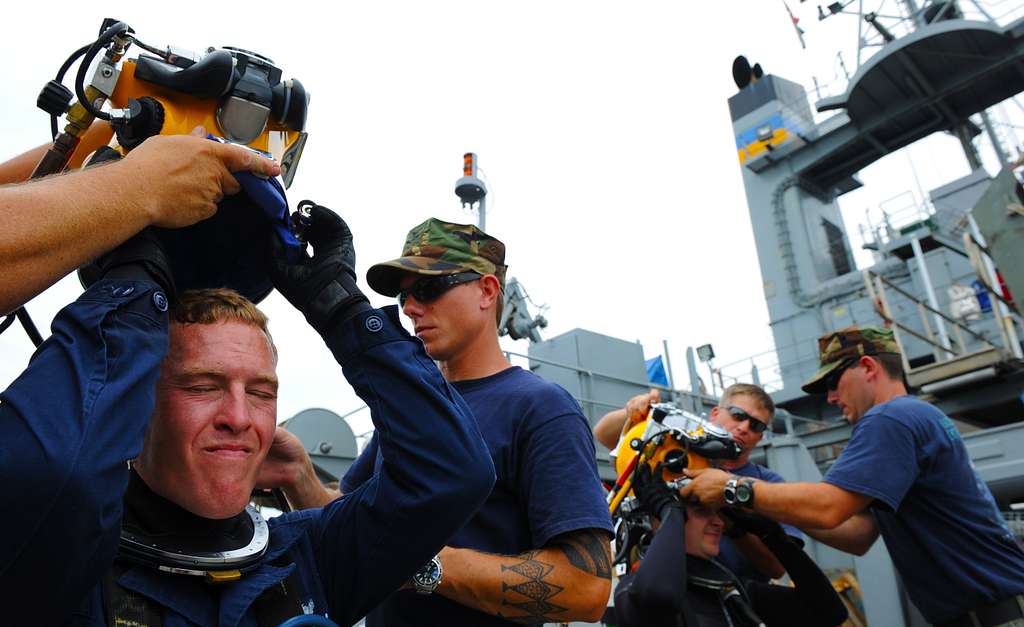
(547, 485)
(729, 555)
(946, 538)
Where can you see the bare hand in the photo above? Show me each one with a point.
(285, 462)
(707, 487)
(638, 406)
(182, 178)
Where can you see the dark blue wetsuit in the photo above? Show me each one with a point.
(664, 590)
(71, 421)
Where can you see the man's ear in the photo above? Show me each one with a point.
(490, 290)
(871, 366)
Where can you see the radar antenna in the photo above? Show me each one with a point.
(471, 190)
(516, 321)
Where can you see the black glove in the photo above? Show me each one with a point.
(651, 491)
(322, 287)
(761, 526)
(141, 258)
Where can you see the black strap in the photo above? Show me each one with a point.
(30, 327)
(737, 606)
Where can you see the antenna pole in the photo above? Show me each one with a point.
(471, 190)
(997, 144)
(860, 32)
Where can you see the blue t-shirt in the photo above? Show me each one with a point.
(728, 554)
(946, 538)
(547, 485)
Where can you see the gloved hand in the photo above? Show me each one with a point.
(141, 258)
(651, 491)
(761, 526)
(323, 287)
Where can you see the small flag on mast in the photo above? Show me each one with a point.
(796, 25)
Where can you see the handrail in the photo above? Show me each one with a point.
(869, 274)
(594, 373)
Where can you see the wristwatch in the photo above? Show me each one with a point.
(428, 578)
(739, 491)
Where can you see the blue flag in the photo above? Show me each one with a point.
(656, 371)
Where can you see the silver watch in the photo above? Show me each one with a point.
(739, 491)
(428, 578)
(729, 492)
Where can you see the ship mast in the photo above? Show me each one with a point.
(914, 17)
(471, 190)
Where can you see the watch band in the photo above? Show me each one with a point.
(745, 492)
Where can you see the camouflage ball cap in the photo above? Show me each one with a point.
(836, 348)
(437, 248)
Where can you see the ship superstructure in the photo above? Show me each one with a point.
(927, 268)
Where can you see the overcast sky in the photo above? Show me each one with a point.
(601, 127)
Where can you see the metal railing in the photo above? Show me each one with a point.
(942, 346)
(769, 367)
(1015, 521)
(890, 20)
(899, 215)
(588, 372)
(690, 400)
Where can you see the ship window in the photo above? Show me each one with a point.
(837, 248)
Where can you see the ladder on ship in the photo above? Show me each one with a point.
(955, 364)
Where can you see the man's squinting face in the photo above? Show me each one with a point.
(216, 411)
(703, 531)
(740, 429)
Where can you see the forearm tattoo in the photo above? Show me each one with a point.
(586, 550)
(534, 593)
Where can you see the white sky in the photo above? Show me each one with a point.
(602, 129)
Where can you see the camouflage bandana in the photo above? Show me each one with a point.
(838, 347)
(437, 248)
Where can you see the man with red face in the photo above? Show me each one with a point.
(904, 474)
(189, 549)
(216, 408)
(537, 551)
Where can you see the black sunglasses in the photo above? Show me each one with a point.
(753, 424)
(431, 288)
(832, 381)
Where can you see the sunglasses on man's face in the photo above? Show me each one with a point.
(753, 424)
(431, 288)
(832, 382)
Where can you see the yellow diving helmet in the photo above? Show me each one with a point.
(674, 438)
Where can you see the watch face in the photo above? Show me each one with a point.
(428, 575)
(729, 494)
(744, 493)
